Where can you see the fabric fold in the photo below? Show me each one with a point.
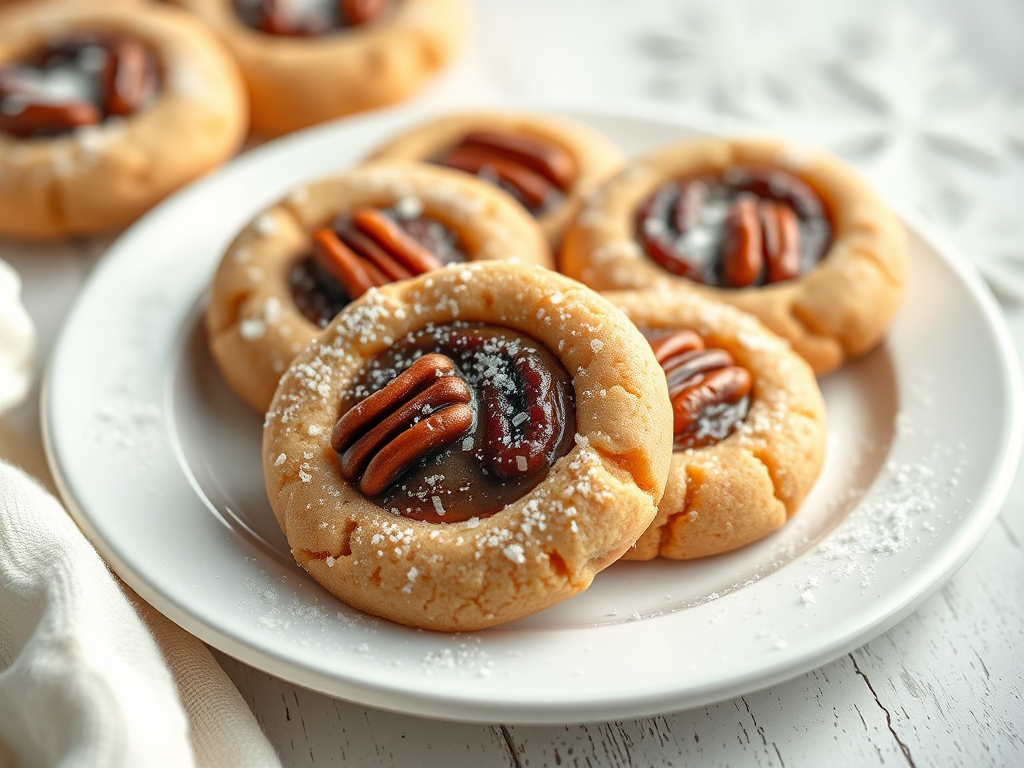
(83, 681)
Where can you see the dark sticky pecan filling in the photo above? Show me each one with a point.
(750, 226)
(538, 173)
(710, 394)
(307, 18)
(77, 80)
(368, 247)
(455, 422)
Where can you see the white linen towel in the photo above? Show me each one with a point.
(83, 683)
(87, 679)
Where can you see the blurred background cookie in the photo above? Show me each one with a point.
(104, 110)
(307, 62)
(547, 163)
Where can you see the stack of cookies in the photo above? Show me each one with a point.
(458, 435)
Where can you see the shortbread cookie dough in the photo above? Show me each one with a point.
(744, 458)
(104, 110)
(551, 375)
(273, 292)
(789, 233)
(308, 62)
(548, 163)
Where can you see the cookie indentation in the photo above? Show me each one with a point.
(455, 422)
(746, 227)
(76, 80)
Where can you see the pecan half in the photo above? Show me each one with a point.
(422, 410)
(677, 343)
(520, 442)
(533, 188)
(356, 275)
(534, 169)
(760, 234)
(657, 240)
(693, 194)
(355, 12)
(37, 119)
(720, 386)
(128, 76)
(702, 385)
(125, 79)
(393, 239)
(781, 238)
(371, 251)
(549, 160)
(743, 249)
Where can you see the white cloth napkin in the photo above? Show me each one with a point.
(90, 675)
(83, 682)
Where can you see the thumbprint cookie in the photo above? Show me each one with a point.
(469, 446)
(315, 60)
(748, 424)
(788, 233)
(296, 265)
(104, 110)
(548, 163)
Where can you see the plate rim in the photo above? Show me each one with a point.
(468, 709)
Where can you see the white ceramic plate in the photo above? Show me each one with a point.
(160, 465)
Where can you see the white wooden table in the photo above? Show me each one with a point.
(944, 687)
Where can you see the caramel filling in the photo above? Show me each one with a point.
(455, 422)
(368, 247)
(77, 80)
(747, 227)
(537, 172)
(710, 395)
(307, 18)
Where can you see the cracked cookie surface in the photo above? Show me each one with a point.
(541, 548)
(738, 489)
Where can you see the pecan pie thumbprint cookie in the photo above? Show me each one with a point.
(287, 275)
(547, 163)
(314, 60)
(748, 424)
(104, 110)
(468, 447)
(789, 233)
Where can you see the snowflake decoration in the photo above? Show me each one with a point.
(714, 55)
(920, 106)
(898, 100)
(994, 242)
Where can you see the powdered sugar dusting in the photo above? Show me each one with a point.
(463, 659)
